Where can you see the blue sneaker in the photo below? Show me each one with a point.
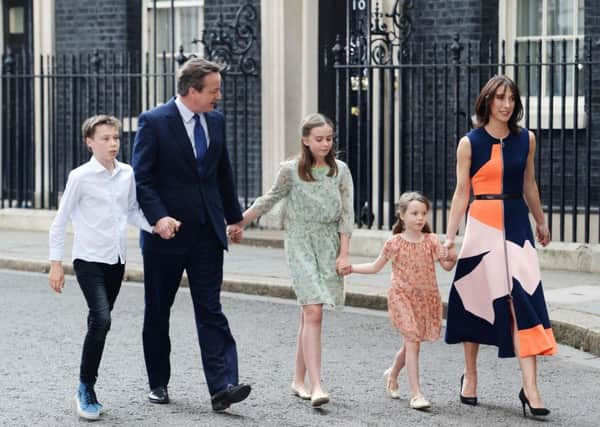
(87, 404)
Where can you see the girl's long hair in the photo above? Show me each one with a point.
(486, 97)
(306, 160)
(402, 205)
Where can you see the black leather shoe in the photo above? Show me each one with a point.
(159, 395)
(231, 394)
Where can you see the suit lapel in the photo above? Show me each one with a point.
(181, 137)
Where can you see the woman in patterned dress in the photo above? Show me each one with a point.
(496, 297)
(318, 219)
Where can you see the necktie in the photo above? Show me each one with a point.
(199, 139)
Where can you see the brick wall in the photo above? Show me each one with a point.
(435, 20)
(102, 25)
(592, 30)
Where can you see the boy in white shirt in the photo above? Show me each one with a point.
(100, 200)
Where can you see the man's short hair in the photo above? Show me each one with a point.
(192, 74)
(88, 128)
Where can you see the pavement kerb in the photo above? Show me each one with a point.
(579, 257)
(565, 332)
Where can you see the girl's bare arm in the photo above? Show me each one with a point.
(370, 267)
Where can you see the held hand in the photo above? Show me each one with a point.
(542, 234)
(56, 276)
(342, 265)
(451, 255)
(167, 227)
(344, 271)
(235, 232)
(442, 252)
(448, 243)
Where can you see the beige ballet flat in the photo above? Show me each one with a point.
(319, 399)
(393, 393)
(300, 391)
(419, 402)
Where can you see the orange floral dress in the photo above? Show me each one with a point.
(414, 301)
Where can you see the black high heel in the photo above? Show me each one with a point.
(466, 400)
(536, 412)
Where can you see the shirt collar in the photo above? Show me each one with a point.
(186, 114)
(98, 167)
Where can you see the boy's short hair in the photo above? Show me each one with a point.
(88, 128)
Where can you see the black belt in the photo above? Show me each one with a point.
(503, 196)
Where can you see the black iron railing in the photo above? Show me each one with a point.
(402, 107)
(45, 99)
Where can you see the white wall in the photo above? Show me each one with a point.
(289, 31)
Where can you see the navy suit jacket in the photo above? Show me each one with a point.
(169, 182)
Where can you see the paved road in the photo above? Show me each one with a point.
(41, 335)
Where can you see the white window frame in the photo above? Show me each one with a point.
(507, 29)
(147, 46)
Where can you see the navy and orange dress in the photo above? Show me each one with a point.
(498, 260)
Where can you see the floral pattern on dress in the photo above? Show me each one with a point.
(314, 215)
(414, 301)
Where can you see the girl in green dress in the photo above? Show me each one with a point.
(318, 222)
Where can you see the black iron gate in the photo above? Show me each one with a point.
(43, 107)
(403, 106)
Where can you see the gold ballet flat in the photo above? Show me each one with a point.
(300, 391)
(319, 399)
(419, 402)
(393, 393)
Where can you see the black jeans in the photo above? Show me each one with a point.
(100, 284)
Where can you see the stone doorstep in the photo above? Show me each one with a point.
(585, 338)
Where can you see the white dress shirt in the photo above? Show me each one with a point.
(187, 116)
(100, 204)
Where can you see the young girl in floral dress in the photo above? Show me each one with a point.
(414, 302)
(318, 219)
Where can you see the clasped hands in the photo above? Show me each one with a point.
(166, 227)
(446, 250)
(343, 266)
(235, 232)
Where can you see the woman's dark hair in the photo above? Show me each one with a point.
(306, 160)
(402, 205)
(486, 97)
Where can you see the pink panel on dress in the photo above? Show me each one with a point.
(489, 280)
(523, 265)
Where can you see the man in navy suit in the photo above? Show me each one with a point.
(182, 170)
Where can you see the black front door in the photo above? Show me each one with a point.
(332, 22)
(339, 18)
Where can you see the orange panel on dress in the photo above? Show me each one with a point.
(536, 341)
(488, 212)
(488, 180)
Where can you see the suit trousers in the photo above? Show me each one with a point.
(203, 263)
